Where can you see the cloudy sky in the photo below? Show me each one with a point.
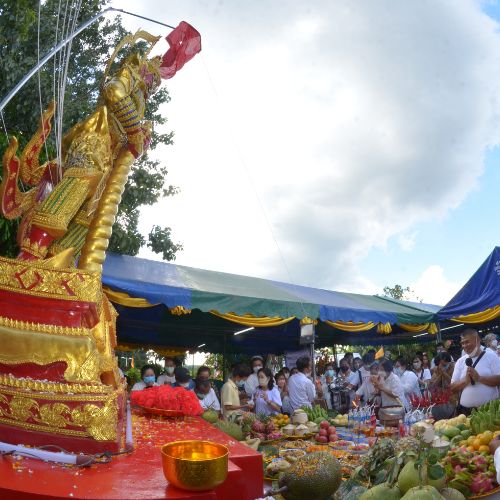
(336, 144)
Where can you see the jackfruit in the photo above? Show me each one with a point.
(231, 429)
(315, 476)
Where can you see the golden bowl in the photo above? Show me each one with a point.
(195, 465)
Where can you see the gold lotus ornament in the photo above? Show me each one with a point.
(195, 465)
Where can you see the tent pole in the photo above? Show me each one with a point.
(224, 359)
(335, 355)
(313, 362)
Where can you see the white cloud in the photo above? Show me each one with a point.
(407, 241)
(355, 122)
(433, 287)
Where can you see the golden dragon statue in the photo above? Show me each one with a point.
(59, 380)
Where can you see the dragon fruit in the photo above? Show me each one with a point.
(258, 426)
(273, 435)
(270, 427)
(478, 463)
(481, 483)
(259, 435)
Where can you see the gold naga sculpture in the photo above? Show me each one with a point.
(59, 380)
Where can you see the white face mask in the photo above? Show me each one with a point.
(170, 369)
(186, 385)
(256, 368)
(494, 344)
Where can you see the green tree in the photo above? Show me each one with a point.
(90, 52)
(399, 292)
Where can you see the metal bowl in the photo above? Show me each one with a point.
(195, 465)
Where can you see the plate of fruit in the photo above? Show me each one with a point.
(342, 444)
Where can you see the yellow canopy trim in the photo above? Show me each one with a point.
(179, 311)
(423, 327)
(250, 320)
(308, 321)
(163, 351)
(384, 328)
(124, 299)
(480, 317)
(350, 326)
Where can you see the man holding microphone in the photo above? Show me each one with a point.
(476, 374)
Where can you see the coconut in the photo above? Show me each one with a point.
(300, 430)
(381, 492)
(423, 493)
(289, 429)
(408, 477)
(451, 494)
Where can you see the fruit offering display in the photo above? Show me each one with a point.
(327, 433)
(315, 414)
(340, 420)
(461, 421)
(280, 420)
(264, 428)
(470, 472)
(486, 417)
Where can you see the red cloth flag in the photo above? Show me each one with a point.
(185, 43)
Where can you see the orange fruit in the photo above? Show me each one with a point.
(485, 439)
(471, 448)
(485, 448)
(470, 440)
(477, 443)
(487, 435)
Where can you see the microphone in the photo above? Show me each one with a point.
(468, 362)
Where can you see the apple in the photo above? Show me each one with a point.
(332, 428)
(321, 439)
(324, 424)
(332, 438)
(323, 432)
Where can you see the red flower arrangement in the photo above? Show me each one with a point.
(168, 398)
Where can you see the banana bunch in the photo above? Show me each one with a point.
(486, 417)
(315, 413)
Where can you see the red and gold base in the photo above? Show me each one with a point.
(59, 381)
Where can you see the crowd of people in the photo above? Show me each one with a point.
(470, 381)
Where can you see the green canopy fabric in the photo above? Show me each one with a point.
(202, 291)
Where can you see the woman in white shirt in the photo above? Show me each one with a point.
(389, 385)
(408, 379)
(168, 377)
(206, 395)
(267, 396)
(423, 374)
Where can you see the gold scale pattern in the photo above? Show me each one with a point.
(86, 419)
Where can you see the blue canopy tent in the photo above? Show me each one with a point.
(162, 304)
(478, 301)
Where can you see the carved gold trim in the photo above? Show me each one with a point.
(33, 412)
(81, 398)
(36, 427)
(44, 328)
(42, 386)
(34, 279)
